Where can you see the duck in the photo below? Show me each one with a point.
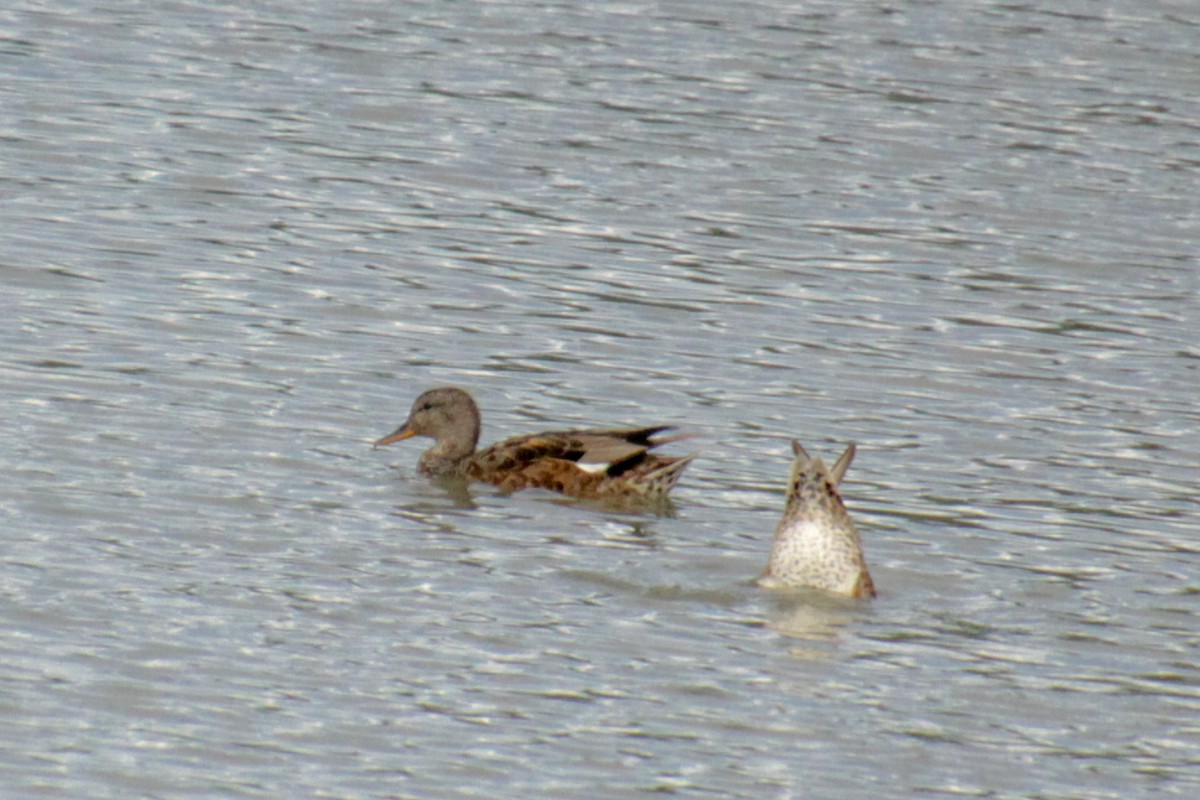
(816, 543)
(585, 464)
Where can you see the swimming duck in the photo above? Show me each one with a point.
(816, 543)
(590, 464)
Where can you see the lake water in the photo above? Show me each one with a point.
(240, 238)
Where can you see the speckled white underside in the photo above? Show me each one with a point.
(816, 543)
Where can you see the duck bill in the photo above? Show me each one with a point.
(400, 434)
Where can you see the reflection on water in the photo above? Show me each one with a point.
(813, 616)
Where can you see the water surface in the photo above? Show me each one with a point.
(239, 242)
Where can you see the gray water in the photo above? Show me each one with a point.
(237, 241)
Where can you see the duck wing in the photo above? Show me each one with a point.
(592, 451)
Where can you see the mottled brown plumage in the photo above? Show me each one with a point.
(816, 543)
(594, 464)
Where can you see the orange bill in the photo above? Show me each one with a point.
(401, 433)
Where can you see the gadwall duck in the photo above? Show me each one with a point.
(589, 464)
(816, 543)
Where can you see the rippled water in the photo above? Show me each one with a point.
(238, 242)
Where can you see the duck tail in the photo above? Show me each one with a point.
(662, 479)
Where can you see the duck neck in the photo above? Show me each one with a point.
(451, 453)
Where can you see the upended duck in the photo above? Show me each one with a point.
(586, 464)
(816, 543)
